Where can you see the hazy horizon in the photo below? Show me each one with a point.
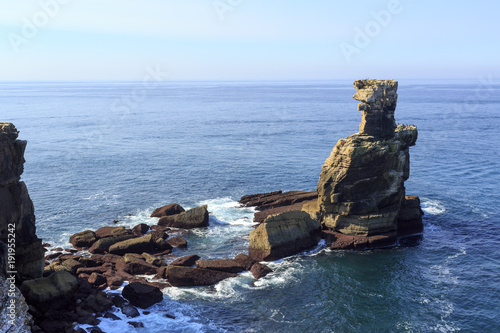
(241, 40)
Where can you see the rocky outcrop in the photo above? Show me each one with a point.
(194, 218)
(223, 265)
(283, 235)
(361, 185)
(17, 214)
(265, 201)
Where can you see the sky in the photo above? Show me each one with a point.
(248, 39)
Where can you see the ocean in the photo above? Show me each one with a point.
(104, 151)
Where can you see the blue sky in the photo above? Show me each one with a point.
(248, 39)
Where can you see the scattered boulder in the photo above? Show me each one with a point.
(245, 261)
(83, 239)
(71, 265)
(168, 210)
(142, 295)
(130, 311)
(55, 290)
(194, 218)
(151, 259)
(186, 261)
(264, 201)
(136, 324)
(223, 265)
(103, 244)
(283, 235)
(111, 316)
(260, 270)
(180, 276)
(133, 245)
(106, 231)
(140, 229)
(177, 242)
(97, 279)
(135, 266)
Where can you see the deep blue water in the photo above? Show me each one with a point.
(97, 153)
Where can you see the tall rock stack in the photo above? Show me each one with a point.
(361, 185)
(17, 214)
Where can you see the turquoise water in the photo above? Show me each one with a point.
(96, 153)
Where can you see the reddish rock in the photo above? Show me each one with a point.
(264, 201)
(83, 239)
(111, 258)
(167, 210)
(97, 279)
(245, 261)
(158, 234)
(177, 242)
(71, 265)
(53, 255)
(134, 245)
(223, 265)
(338, 241)
(103, 244)
(194, 218)
(88, 262)
(261, 216)
(90, 270)
(142, 295)
(135, 266)
(106, 231)
(260, 270)
(140, 229)
(68, 256)
(179, 276)
(186, 261)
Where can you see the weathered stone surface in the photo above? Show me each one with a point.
(140, 229)
(260, 270)
(134, 245)
(261, 216)
(194, 218)
(142, 295)
(177, 242)
(264, 201)
(168, 210)
(16, 209)
(103, 244)
(223, 265)
(283, 235)
(361, 185)
(97, 279)
(179, 276)
(339, 241)
(187, 261)
(245, 261)
(83, 239)
(59, 286)
(410, 217)
(134, 266)
(106, 231)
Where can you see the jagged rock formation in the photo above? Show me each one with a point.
(14, 316)
(361, 185)
(16, 210)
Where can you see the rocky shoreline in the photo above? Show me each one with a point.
(360, 203)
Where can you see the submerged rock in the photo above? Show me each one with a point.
(283, 235)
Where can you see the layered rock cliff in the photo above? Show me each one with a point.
(361, 185)
(17, 214)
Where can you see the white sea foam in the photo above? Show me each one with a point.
(432, 207)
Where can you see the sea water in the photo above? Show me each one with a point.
(104, 151)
